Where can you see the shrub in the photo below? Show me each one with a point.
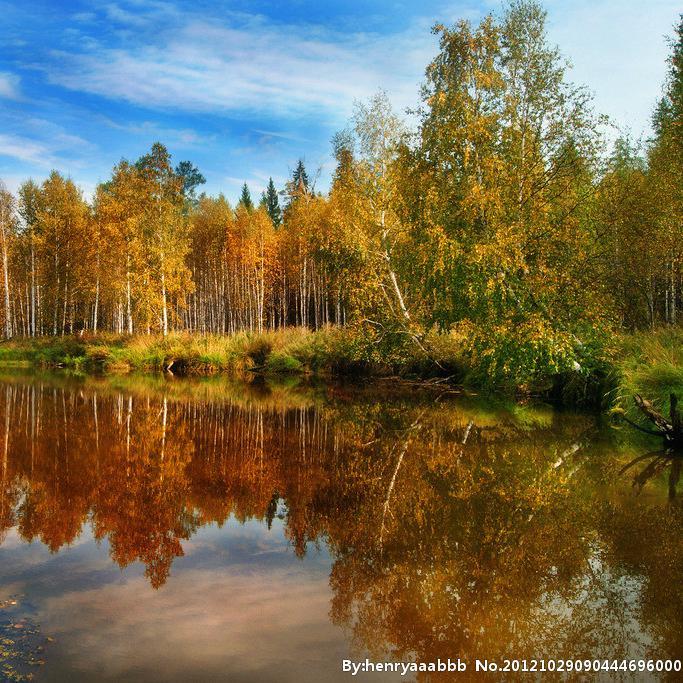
(282, 363)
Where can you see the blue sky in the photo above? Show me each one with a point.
(243, 89)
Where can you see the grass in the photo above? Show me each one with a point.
(649, 363)
(330, 351)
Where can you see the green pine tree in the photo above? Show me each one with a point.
(300, 178)
(245, 199)
(271, 203)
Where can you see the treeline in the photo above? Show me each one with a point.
(500, 220)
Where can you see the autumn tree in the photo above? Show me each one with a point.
(29, 201)
(119, 209)
(8, 224)
(666, 171)
(211, 302)
(64, 246)
(625, 216)
(165, 230)
(494, 190)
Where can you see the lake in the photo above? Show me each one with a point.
(167, 529)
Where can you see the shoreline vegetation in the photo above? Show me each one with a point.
(648, 363)
(496, 238)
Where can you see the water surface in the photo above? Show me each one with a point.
(163, 529)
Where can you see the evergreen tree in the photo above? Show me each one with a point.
(271, 203)
(300, 178)
(245, 199)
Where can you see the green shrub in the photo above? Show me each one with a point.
(282, 363)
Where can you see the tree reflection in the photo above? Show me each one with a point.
(656, 463)
(455, 530)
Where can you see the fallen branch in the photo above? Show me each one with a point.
(639, 428)
(649, 411)
(670, 429)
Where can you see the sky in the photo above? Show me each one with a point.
(244, 89)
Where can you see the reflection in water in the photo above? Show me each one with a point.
(453, 530)
(656, 463)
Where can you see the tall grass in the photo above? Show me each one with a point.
(289, 351)
(650, 364)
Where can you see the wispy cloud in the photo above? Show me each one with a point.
(177, 137)
(45, 145)
(118, 14)
(84, 17)
(9, 86)
(26, 150)
(280, 135)
(251, 65)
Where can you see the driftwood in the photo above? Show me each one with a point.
(670, 429)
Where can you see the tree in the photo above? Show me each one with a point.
(245, 198)
(496, 191)
(7, 231)
(271, 203)
(668, 115)
(64, 251)
(300, 178)
(298, 186)
(165, 227)
(666, 172)
(191, 179)
(631, 258)
(29, 199)
(211, 303)
(120, 211)
(378, 131)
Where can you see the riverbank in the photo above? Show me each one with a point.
(292, 351)
(649, 363)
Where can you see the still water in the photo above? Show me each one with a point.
(159, 529)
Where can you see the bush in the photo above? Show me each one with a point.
(282, 363)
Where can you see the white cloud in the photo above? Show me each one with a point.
(50, 147)
(242, 63)
(254, 66)
(118, 14)
(84, 17)
(9, 85)
(283, 136)
(26, 150)
(177, 137)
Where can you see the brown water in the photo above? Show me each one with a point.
(174, 530)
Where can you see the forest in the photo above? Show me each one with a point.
(500, 218)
